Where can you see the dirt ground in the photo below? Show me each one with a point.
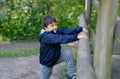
(23, 67)
(28, 67)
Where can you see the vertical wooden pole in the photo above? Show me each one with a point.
(88, 9)
(107, 13)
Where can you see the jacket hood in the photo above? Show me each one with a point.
(41, 34)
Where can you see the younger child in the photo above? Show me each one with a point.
(50, 49)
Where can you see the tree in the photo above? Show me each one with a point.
(107, 13)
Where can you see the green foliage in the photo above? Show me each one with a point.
(19, 53)
(66, 12)
(119, 8)
(22, 20)
(64, 74)
(4, 39)
(93, 19)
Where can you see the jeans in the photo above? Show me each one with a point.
(67, 57)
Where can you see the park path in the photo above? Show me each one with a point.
(23, 67)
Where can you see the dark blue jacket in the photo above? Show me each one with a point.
(50, 48)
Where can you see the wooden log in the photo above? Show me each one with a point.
(107, 13)
(84, 66)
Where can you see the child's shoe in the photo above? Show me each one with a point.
(73, 77)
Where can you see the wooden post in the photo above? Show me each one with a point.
(84, 67)
(88, 9)
(107, 13)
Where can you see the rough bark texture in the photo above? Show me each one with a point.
(104, 38)
(84, 67)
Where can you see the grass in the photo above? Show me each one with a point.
(19, 53)
(64, 74)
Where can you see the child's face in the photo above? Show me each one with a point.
(51, 27)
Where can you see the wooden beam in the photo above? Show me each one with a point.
(84, 66)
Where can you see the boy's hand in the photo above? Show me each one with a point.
(83, 35)
(85, 30)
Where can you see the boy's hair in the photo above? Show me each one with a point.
(48, 20)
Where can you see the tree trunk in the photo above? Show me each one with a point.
(84, 67)
(107, 13)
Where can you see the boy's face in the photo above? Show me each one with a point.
(51, 27)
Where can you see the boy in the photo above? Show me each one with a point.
(50, 49)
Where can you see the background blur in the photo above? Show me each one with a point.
(21, 19)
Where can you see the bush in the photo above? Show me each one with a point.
(22, 20)
(4, 39)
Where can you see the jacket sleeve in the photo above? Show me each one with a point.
(70, 31)
(58, 38)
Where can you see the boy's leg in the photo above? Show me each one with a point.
(67, 57)
(45, 72)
